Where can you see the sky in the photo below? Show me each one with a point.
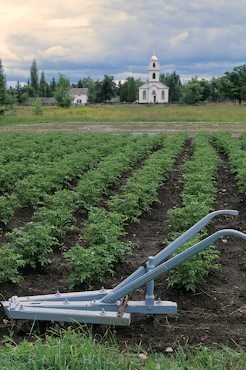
(82, 38)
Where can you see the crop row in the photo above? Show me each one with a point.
(104, 228)
(44, 157)
(33, 243)
(236, 153)
(198, 196)
(48, 178)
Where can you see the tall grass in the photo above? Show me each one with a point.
(129, 113)
(73, 350)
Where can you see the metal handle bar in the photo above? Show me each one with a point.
(168, 265)
(159, 257)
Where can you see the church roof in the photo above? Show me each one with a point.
(158, 84)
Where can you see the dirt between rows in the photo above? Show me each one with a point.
(236, 128)
(214, 315)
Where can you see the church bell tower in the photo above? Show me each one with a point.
(154, 69)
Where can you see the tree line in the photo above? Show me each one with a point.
(230, 86)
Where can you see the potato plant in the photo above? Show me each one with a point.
(50, 222)
(198, 196)
(235, 150)
(104, 229)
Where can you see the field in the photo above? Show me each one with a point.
(86, 210)
(214, 113)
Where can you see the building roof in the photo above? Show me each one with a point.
(158, 84)
(79, 91)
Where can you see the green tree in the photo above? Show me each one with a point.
(2, 85)
(233, 84)
(62, 92)
(89, 83)
(192, 91)
(42, 85)
(52, 87)
(34, 78)
(108, 88)
(172, 80)
(206, 86)
(123, 91)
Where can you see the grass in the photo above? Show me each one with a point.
(128, 113)
(75, 350)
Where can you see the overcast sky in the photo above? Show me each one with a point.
(95, 37)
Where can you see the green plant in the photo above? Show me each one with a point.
(198, 197)
(10, 263)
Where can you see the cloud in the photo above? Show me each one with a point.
(97, 37)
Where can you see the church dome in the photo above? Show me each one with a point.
(154, 58)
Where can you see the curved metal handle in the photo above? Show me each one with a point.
(168, 265)
(189, 234)
(159, 257)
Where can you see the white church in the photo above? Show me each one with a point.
(153, 91)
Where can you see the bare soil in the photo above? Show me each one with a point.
(215, 315)
(236, 128)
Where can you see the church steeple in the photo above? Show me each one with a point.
(154, 69)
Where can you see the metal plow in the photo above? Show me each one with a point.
(112, 307)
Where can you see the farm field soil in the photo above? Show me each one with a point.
(235, 128)
(213, 316)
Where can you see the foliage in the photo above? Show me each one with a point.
(43, 86)
(132, 113)
(37, 107)
(62, 92)
(192, 92)
(2, 85)
(104, 229)
(172, 80)
(78, 349)
(69, 349)
(194, 270)
(198, 196)
(8, 204)
(233, 84)
(10, 263)
(236, 154)
(34, 78)
(128, 91)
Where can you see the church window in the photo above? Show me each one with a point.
(162, 95)
(153, 92)
(153, 76)
(144, 95)
(153, 65)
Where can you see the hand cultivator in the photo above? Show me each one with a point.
(112, 307)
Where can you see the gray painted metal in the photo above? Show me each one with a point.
(101, 306)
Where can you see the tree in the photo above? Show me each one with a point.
(52, 87)
(192, 92)
(62, 92)
(233, 84)
(80, 84)
(206, 86)
(42, 86)
(34, 78)
(108, 88)
(129, 90)
(89, 83)
(2, 85)
(172, 80)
